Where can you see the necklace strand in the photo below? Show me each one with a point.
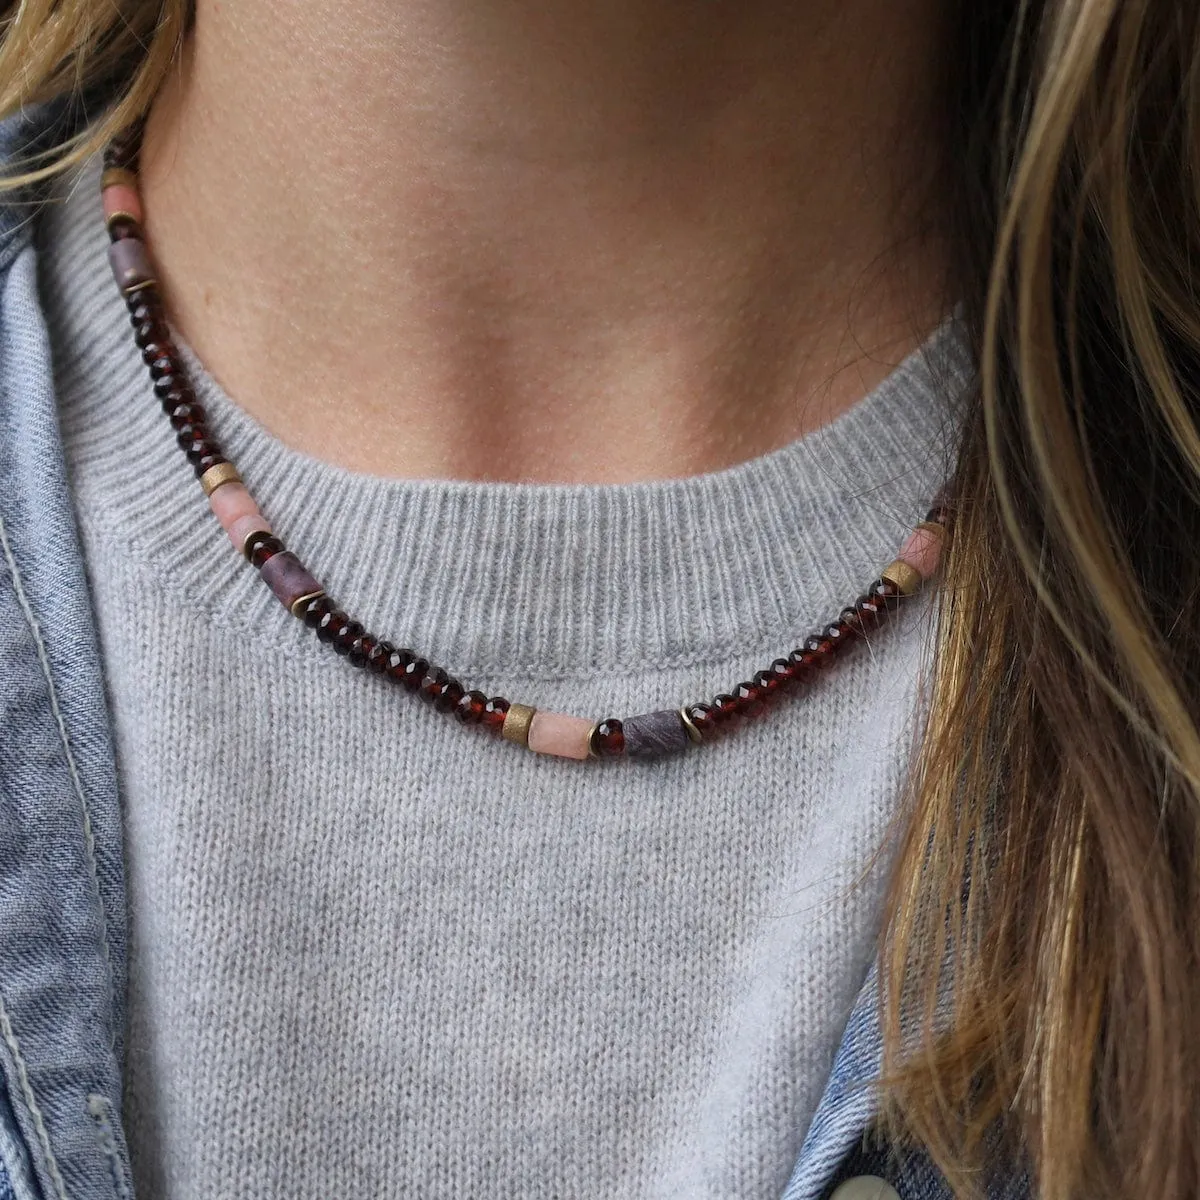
(647, 735)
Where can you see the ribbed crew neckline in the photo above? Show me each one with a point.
(491, 578)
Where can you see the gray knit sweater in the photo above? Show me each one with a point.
(376, 954)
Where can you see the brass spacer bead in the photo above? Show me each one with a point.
(516, 724)
(120, 215)
(934, 527)
(118, 177)
(224, 472)
(300, 601)
(592, 751)
(690, 726)
(906, 578)
(138, 287)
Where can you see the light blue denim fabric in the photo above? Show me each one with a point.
(62, 902)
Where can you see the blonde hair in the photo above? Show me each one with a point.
(1050, 875)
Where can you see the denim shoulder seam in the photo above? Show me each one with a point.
(72, 767)
(10, 1040)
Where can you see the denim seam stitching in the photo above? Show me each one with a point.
(99, 1108)
(10, 1039)
(89, 840)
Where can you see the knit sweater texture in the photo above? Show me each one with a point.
(374, 953)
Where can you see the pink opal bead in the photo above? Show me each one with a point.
(231, 502)
(922, 550)
(120, 197)
(554, 733)
(243, 527)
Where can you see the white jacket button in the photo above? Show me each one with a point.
(866, 1187)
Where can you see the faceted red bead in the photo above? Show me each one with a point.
(433, 683)
(608, 739)
(203, 462)
(837, 635)
(766, 683)
(398, 662)
(331, 624)
(450, 695)
(360, 650)
(701, 715)
(804, 664)
(783, 671)
(749, 700)
(262, 548)
(851, 621)
(377, 656)
(145, 300)
(494, 712)
(469, 709)
(183, 415)
(887, 592)
(163, 366)
(821, 648)
(316, 608)
(724, 709)
(413, 673)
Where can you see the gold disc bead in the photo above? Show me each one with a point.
(118, 177)
(906, 578)
(224, 472)
(690, 726)
(516, 724)
(301, 602)
(119, 215)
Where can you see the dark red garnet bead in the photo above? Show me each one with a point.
(377, 655)
(703, 718)
(434, 684)
(357, 651)
(344, 638)
(749, 700)
(821, 648)
(212, 459)
(724, 709)
(315, 609)
(469, 709)
(185, 414)
(397, 663)
(887, 592)
(413, 673)
(783, 671)
(608, 738)
(494, 712)
(767, 684)
(263, 547)
(331, 624)
(452, 693)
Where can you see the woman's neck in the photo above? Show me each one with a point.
(504, 239)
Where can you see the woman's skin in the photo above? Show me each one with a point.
(589, 240)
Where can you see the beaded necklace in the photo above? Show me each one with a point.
(648, 735)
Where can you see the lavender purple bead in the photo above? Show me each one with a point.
(288, 578)
(130, 263)
(652, 735)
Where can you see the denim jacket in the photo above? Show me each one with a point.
(62, 899)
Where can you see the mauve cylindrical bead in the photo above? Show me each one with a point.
(654, 734)
(121, 198)
(922, 550)
(559, 734)
(130, 263)
(231, 502)
(287, 577)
